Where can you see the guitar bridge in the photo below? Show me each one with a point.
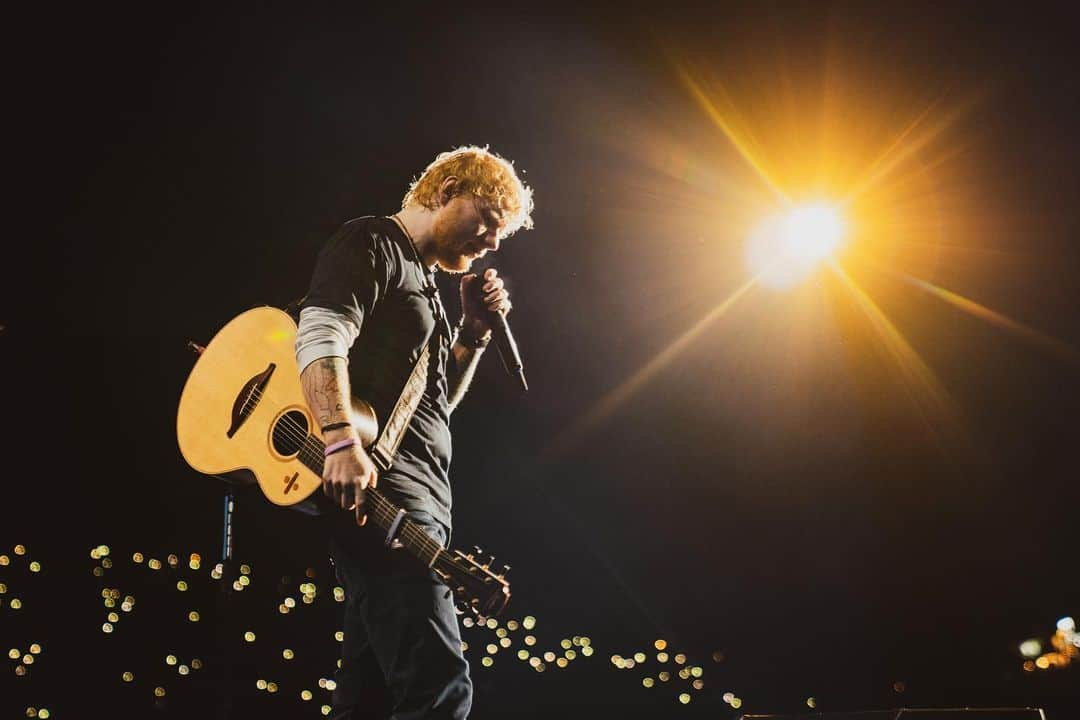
(248, 398)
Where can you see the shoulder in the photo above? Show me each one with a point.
(370, 240)
(377, 243)
(368, 232)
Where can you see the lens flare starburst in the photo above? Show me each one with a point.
(787, 247)
(828, 161)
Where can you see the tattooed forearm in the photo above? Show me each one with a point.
(328, 396)
(325, 383)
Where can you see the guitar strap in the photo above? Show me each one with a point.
(393, 430)
(386, 446)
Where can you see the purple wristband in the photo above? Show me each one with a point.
(339, 445)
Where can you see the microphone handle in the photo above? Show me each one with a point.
(508, 349)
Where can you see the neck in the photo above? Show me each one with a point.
(417, 221)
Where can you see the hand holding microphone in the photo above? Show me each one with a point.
(485, 303)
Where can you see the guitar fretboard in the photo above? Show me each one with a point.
(380, 510)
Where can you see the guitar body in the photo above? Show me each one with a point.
(242, 407)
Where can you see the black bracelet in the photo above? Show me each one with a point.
(335, 426)
(472, 341)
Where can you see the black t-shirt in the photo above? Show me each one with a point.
(370, 271)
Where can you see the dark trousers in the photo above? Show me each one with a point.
(401, 656)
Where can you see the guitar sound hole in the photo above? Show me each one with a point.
(290, 432)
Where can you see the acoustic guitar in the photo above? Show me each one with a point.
(242, 409)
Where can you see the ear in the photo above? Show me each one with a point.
(448, 189)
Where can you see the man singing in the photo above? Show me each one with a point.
(371, 308)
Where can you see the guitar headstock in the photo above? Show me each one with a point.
(476, 587)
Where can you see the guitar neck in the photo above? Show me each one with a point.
(415, 540)
(382, 512)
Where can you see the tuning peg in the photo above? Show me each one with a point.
(477, 550)
(505, 570)
(490, 560)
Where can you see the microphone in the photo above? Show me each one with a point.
(504, 340)
(508, 349)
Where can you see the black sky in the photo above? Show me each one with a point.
(173, 168)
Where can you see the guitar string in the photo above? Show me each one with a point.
(299, 434)
(409, 531)
(381, 509)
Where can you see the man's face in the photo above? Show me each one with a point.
(464, 229)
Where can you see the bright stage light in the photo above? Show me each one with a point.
(787, 247)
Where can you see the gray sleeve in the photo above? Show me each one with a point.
(323, 333)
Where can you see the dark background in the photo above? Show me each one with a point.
(789, 508)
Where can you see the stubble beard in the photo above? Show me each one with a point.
(450, 257)
(453, 262)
